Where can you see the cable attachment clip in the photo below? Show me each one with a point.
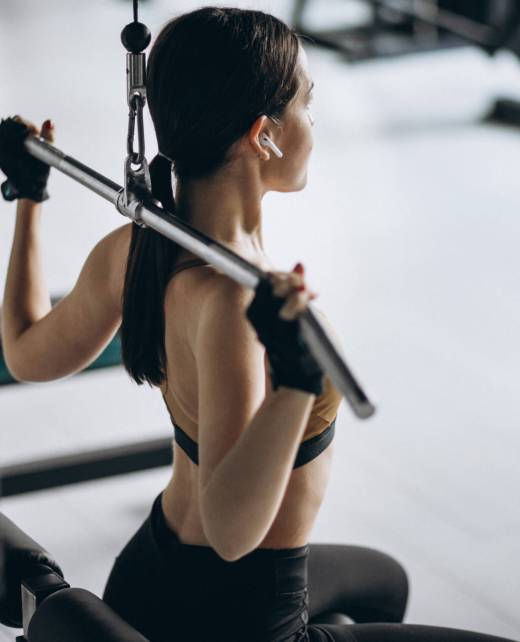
(137, 184)
(137, 181)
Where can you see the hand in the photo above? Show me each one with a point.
(46, 131)
(278, 302)
(26, 175)
(292, 286)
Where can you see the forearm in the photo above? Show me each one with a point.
(246, 490)
(26, 297)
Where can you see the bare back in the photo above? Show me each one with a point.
(305, 491)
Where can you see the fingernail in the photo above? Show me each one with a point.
(298, 268)
(300, 288)
(48, 124)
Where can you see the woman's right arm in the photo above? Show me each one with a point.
(247, 441)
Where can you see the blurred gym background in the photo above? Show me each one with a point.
(409, 228)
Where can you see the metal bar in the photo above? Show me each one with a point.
(431, 13)
(41, 474)
(146, 210)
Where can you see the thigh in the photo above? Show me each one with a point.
(395, 633)
(362, 583)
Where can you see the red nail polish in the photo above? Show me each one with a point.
(298, 268)
(300, 288)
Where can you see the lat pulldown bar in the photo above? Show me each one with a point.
(144, 209)
(136, 201)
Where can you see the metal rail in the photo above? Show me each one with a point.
(144, 209)
(429, 12)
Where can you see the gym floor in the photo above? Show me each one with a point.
(409, 229)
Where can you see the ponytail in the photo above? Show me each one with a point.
(210, 74)
(151, 258)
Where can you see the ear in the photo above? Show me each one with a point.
(253, 137)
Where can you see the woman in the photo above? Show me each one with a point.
(224, 552)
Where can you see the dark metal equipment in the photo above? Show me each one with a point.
(35, 597)
(44, 474)
(399, 27)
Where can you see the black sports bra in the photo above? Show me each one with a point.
(324, 411)
(307, 451)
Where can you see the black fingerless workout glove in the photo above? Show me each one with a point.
(26, 176)
(291, 362)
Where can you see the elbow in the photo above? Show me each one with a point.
(221, 544)
(225, 550)
(15, 372)
(13, 363)
(222, 537)
(22, 374)
(232, 547)
(27, 370)
(227, 555)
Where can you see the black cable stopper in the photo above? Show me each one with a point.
(136, 37)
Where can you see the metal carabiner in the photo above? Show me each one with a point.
(137, 181)
(136, 113)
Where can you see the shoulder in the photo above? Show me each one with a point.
(113, 247)
(118, 242)
(203, 296)
(112, 250)
(223, 301)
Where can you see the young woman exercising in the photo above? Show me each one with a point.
(224, 552)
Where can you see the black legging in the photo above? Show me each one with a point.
(175, 592)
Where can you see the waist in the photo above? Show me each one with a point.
(273, 570)
(263, 593)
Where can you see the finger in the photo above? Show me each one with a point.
(31, 126)
(284, 275)
(285, 282)
(295, 305)
(48, 131)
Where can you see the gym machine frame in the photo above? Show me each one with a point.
(359, 43)
(35, 594)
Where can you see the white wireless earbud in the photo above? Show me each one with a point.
(267, 142)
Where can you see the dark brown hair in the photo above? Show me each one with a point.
(211, 73)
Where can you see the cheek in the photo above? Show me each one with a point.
(304, 123)
(300, 137)
(307, 131)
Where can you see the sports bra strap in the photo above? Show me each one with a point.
(188, 264)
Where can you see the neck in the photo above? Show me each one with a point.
(228, 209)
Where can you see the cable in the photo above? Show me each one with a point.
(136, 2)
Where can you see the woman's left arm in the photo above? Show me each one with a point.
(41, 343)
